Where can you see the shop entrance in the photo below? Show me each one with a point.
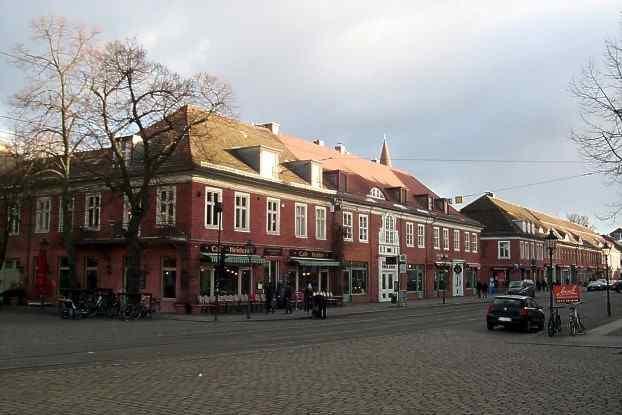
(387, 279)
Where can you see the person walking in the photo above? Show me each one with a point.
(478, 288)
(269, 295)
(491, 286)
(308, 295)
(287, 293)
(485, 289)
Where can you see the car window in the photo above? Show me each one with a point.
(507, 302)
(514, 284)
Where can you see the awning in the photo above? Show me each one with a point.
(236, 259)
(315, 262)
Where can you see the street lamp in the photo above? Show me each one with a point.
(550, 242)
(250, 248)
(606, 250)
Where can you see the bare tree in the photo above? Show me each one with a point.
(582, 220)
(139, 114)
(50, 107)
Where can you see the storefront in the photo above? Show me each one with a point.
(315, 268)
(415, 280)
(355, 281)
(237, 278)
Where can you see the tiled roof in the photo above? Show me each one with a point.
(483, 210)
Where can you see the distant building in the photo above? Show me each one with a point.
(513, 246)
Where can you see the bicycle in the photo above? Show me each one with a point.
(555, 323)
(575, 323)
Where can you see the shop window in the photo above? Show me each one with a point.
(359, 281)
(229, 282)
(471, 277)
(169, 277)
(271, 271)
(440, 279)
(91, 272)
(206, 281)
(415, 278)
(64, 280)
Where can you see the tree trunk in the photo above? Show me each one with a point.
(68, 239)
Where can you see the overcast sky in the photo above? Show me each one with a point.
(442, 80)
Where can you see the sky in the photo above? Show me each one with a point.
(442, 80)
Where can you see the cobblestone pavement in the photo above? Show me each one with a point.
(433, 362)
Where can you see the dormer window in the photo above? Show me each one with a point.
(376, 193)
(268, 163)
(316, 175)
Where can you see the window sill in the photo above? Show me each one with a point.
(242, 230)
(273, 233)
(41, 231)
(212, 227)
(348, 240)
(301, 237)
(364, 241)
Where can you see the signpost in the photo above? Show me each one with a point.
(567, 293)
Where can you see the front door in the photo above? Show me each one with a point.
(386, 285)
(458, 270)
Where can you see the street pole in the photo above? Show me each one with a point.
(550, 284)
(249, 248)
(607, 276)
(221, 258)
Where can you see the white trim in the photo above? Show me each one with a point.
(277, 213)
(509, 256)
(410, 234)
(43, 207)
(436, 238)
(246, 210)
(351, 226)
(306, 215)
(164, 218)
(456, 240)
(366, 239)
(212, 190)
(445, 240)
(422, 238)
(97, 207)
(60, 211)
(323, 209)
(467, 241)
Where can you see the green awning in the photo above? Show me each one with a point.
(236, 259)
(312, 262)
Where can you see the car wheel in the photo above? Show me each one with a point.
(490, 326)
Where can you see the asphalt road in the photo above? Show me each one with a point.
(435, 360)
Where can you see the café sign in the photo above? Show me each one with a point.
(229, 249)
(303, 253)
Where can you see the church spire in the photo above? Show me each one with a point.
(385, 157)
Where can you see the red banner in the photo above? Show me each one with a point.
(568, 293)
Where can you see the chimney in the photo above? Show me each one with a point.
(385, 157)
(272, 126)
(341, 148)
(318, 142)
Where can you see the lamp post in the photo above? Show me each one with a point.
(221, 258)
(606, 250)
(250, 248)
(551, 244)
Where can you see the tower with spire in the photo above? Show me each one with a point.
(385, 157)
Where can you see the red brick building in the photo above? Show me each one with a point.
(513, 243)
(313, 214)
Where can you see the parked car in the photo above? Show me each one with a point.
(518, 311)
(617, 285)
(597, 285)
(524, 287)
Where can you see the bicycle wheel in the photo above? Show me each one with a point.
(572, 326)
(558, 323)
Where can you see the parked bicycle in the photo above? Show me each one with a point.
(575, 322)
(554, 325)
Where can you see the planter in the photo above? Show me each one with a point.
(180, 308)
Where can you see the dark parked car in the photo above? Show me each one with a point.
(524, 287)
(518, 311)
(617, 285)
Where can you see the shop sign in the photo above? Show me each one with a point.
(229, 249)
(273, 251)
(303, 253)
(567, 293)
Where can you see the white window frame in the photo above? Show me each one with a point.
(467, 242)
(420, 235)
(95, 208)
(410, 234)
(166, 217)
(363, 228)
(212, 204)
(390, 232)
(43, 214)
(348, 226)
(457, 240)
(16, 213)
(474, 244)
(273, 216)
(60, 212)
(320, 225)
(243, 210)
(300, 229)
(445, 239)
(508, 255)
(436, 237)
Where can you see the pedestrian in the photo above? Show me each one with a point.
(485, 289)
(308, 295)
(538, 285)
(269, 296)
(491, 286)
(287, 293)
(478, 288)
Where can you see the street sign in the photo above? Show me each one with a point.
(567, 293)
